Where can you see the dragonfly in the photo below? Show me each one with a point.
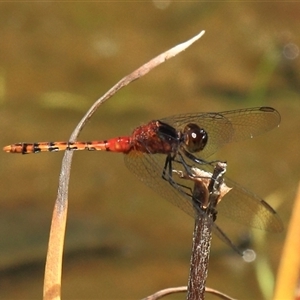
(160, 149)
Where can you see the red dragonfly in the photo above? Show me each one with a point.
(156, 150)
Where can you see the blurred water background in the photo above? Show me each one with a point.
(123, 241)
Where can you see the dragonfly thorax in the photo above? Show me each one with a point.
(194, 137)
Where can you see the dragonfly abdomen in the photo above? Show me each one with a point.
(120, 144)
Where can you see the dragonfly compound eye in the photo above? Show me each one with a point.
(195, 138)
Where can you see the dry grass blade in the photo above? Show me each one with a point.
(288, 272)
(52, 280)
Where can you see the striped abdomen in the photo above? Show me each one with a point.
(120, 144)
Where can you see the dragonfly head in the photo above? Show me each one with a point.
(194, 137)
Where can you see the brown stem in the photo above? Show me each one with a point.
(209, 194)
(199, 258)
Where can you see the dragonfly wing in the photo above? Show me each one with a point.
(247, 208)
(149, 169)
(250, 122)
(238, 204)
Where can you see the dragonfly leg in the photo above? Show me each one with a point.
(184, 189)
(168, 175)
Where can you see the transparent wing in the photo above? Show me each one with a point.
(247, 208)
(149, 169)
(239, 204)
